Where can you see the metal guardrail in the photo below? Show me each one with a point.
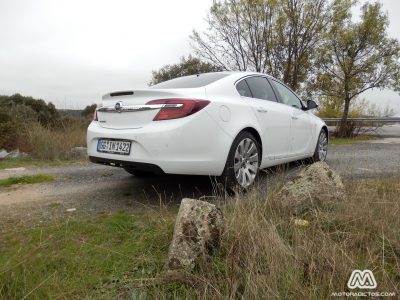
(366, 119)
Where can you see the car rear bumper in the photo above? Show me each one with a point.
(195, 145)
(127, 164)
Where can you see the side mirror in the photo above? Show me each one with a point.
(311, 105)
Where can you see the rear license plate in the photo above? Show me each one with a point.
(114, 146)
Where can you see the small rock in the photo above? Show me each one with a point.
(71, 209)
(78, 153)
(301, 222)
(198, 230)
(15, 169)
(315, 186)
(16, 154)
(3, 153)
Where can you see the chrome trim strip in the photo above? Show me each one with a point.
(143, 107)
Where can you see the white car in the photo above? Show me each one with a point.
(224, 124)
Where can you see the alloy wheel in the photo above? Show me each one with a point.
(246, 162)
(322, 146)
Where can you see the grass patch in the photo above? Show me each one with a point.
(49, 144)
(342, 141)
(263, 254)
(348, 141)
(106, 257)
(28, 179)
(32, 162)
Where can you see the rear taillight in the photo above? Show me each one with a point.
(95, 116)
(178, 108)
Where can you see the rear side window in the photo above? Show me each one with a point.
(243, 89)
(192, 81)
(260, 88)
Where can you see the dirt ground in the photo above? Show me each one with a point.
(88, 189)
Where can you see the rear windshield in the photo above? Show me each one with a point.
(192, 81)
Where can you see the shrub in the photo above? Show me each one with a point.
(331, 107)
(46, 114)
(35, 127)
(47, 143)
(12, 121)
(88, 111)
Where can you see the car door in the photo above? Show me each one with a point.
(273, 117)
(301, 122)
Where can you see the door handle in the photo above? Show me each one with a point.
(294, 118)
(261, 109)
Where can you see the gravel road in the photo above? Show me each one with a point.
(92, 189)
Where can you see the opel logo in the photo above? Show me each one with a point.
(118, 106)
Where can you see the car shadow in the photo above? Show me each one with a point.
(171, 189)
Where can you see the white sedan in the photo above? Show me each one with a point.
(224, 124)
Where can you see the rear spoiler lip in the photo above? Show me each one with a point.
(162, 93)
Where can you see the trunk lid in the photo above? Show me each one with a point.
(128, 109)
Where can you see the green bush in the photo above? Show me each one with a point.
(47, 143)
(88, 111)
(35, 127)
(46, 114)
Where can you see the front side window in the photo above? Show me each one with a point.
(287, 96)
(260, 88)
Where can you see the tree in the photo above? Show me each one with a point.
(239, 35)
(46, 114)
(88, 111)
(268, 36)
(18, 112)
(356, 56)
(186, 66)
(298, 34)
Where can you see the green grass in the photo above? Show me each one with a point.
(121, 256)
(102, 258)
(349, 141)
(31, 162)
(28, 179)
(342, 141)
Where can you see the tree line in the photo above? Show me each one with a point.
(316, 47)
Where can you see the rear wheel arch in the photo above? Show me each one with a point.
(256, 135)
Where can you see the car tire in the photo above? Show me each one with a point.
(243, 162)
(321, 149)
(138, 173)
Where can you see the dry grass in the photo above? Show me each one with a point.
(49, 144)
(265, 255)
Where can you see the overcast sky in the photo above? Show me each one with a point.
(72, 52)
